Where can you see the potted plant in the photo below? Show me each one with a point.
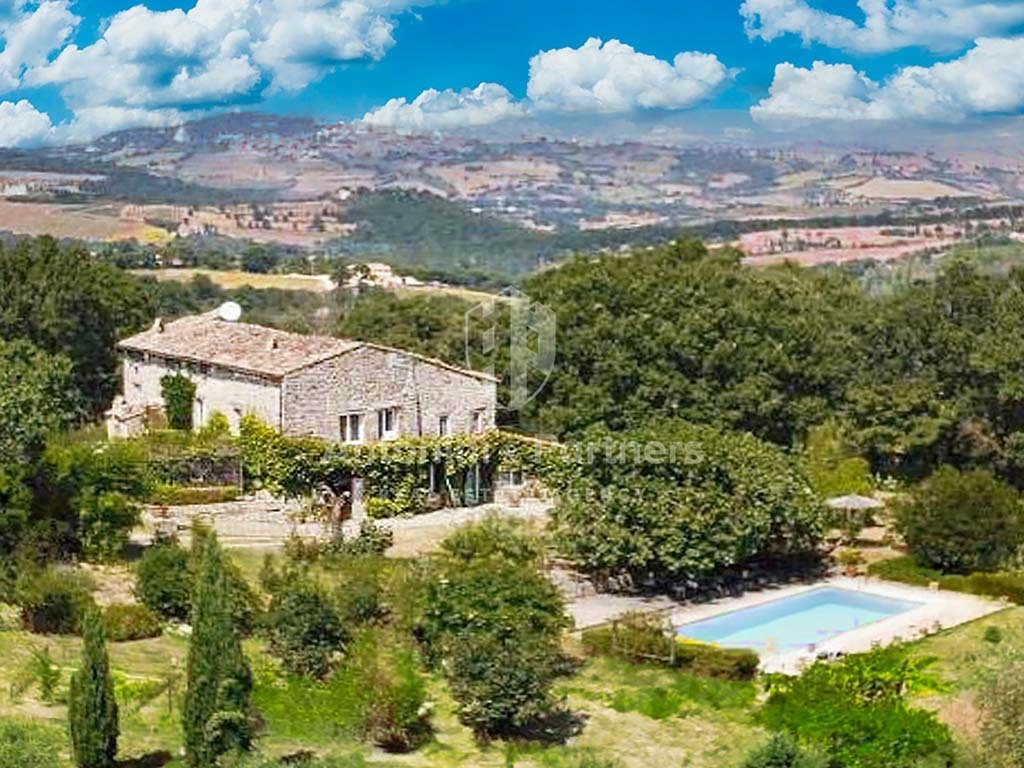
(851, 560)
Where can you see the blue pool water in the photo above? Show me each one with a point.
(796, 622)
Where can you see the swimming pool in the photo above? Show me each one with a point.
(796, 622)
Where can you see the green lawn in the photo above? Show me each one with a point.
(641, 716)
(637, 715)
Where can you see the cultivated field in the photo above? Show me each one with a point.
(230, 280)
(87, 222)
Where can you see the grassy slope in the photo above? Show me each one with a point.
(640, 716)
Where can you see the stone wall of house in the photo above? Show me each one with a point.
(232, 393)
(368, 379)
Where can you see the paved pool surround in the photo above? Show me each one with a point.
(925, 609)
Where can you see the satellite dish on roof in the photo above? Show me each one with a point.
(229, 312)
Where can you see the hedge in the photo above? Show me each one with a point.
(650, 645)
(907, 571)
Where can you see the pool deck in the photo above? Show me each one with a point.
(938, 610)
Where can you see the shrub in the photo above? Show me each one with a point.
(502, 683)
(303, 629)
(993, 634)
(783, 751)
(372, 539)
(125, 623)
(360, 595)
(962, 521)
(642, 639)
(100, 486)
(1002, 705)
(495, 627)
(999, 585)
(856, 712)
(52, 601)
(396, 714)
(494, 536)
(30, 745)
(163, 581)
(718, 663)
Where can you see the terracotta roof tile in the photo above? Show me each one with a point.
(206, 339)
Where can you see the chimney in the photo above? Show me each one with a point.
(158, 325)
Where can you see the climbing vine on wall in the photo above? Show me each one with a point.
(396, 474)
(178, 392)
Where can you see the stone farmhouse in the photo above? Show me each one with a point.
(338, 390)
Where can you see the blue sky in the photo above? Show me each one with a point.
(72, 69)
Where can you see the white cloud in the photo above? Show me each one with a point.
(215, 54)
(30, 35)
(614, 77)
(22, 125)
(942, 25)
(986, 80)
(90, 122)
(597, 77)
(439, 110)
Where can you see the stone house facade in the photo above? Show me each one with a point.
(334, 389)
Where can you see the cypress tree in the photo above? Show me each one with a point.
(216, 712)
(92, 708)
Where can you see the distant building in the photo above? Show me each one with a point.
(338, 390)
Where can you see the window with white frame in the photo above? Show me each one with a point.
(444, 426)
(352, 427)
(477, 422)
(387, 423)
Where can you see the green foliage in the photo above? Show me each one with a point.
(1008, 585)
(395, 712)
(782, 751)
(856, 712)
(304, 629)
(179, 394)
(1002, 705)
(831, 463)
(396, 474)
(493, 537)
(680, 501)
(125, 623)
(495, 626)
(100, 487)
(678, 333)
(37, 399)
(372, 540)
(163, 581)
(183, 496)
(217, 718)
(67, 303)
(993, 634)
(962, 521)
(45, 673)
(243, 601)
(92, 708)
(53, 601)
(29, 745)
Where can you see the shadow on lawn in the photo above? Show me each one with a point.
(152, 760)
